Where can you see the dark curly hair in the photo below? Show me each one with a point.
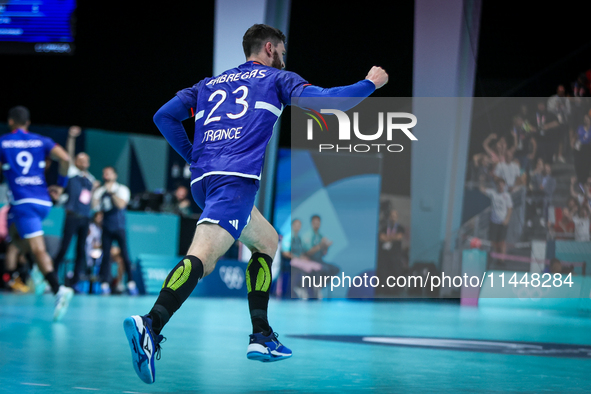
(257, 35)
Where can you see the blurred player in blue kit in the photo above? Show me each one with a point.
(234, 116)
(23, 156)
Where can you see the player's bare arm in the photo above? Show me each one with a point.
(60, 155)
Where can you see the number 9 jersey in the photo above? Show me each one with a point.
(235, 113)
(23, 156)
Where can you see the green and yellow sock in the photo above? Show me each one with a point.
(177, 287)
(258, 285)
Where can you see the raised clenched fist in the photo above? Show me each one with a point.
(378, 76)
(74, 131)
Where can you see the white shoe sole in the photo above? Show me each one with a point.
(258, 352)
(62, 307)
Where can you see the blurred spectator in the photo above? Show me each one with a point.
(4, 223)
(582, 85)
(548, 133)
(555, 266)
(548, 187)
(390, 259)
(582, 151)
(587, 189)
(535, 195)
(316, 246)
(17, 270)
(536, 175)
(94, 250)
(559, 105)
(391, 230)
(179, 202)
(14, 267)
(582, 193)
(292, 247)
(524, 142)
(572, 205)
(496, 153)
(529, 119)
(509, 170)
(390, 236)
(579, 107)
(581, 221)
(77, 197)
(112, 199)
(292, 250)
(501, 208)
(482, 167)
(563, 223)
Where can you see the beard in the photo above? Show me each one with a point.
(276, 63)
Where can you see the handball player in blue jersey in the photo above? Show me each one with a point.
(234, 116)
(23, 156)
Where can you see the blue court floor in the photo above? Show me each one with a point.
(359, 346)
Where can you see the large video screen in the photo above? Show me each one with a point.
(37, 26)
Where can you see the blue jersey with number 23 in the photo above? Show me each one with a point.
(234, 117)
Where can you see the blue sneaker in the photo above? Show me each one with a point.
(266, 348)
(144, 345)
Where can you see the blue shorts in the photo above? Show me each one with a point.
(28, 219)
(226, 200)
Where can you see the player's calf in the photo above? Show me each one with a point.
(258, 285)
(177, 287)
(263, 343)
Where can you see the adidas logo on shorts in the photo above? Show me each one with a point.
(234, 223)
